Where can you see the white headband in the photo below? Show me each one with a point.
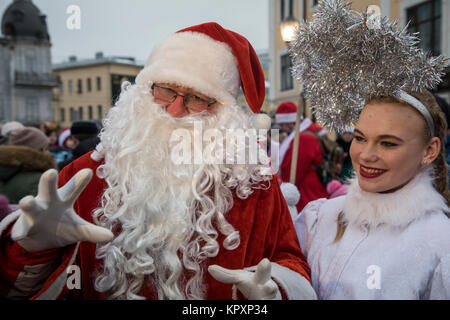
(402, 95)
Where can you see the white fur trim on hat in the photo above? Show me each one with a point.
(194, 60)
(10, 126)
(63, 136)
(285, 117)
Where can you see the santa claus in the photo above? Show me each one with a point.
(139, 225)
(309, 154)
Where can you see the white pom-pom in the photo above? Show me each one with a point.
(290, 193)
(261, 121)
(125, 85)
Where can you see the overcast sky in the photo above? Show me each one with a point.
(133, 27)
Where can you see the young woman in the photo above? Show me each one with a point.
(389, 237)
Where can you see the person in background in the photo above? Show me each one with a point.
(51, 131)
(22, 163)
(344, 140)
(309, 155)
(336, 163)
(63, 150)
(336, 189)
(84, 135)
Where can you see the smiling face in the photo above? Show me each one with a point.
(389, 146)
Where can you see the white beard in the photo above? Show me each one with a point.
(164, 214)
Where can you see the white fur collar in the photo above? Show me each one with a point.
(398, 208)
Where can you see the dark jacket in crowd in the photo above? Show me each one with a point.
(20, 170)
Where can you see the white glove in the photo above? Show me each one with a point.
(49, 221)
(256, 285)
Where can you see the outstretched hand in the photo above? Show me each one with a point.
(256, 285)
(48, 220)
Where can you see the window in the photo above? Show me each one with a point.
(426, 19)
(287, 82)
(76, 114)
(62, 115)
(80, 86)
(30, 61)
(32, 109)
(90, 113)
(99, 83)
(89, 85)
(100, 112)
(70, 87)
(286, 9)
(60, 85)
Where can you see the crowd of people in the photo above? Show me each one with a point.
(27, 152)
(366, 216)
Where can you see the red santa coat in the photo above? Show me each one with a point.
(306, 180)
(263, 221)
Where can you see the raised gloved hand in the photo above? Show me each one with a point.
(256, 285)
(48, 220)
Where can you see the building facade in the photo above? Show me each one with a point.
(25, 65)
(87, 89)
(429, 17)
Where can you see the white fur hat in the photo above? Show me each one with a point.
(10, 126)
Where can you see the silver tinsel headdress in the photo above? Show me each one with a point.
(344, 61)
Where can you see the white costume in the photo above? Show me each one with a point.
(395, 246)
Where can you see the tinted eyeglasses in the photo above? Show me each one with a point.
(192, 102)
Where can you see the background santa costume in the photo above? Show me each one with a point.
(165, 230)
(309, 156)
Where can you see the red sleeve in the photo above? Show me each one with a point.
(14, 259)
(284, 248)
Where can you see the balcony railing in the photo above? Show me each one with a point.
(34, 79)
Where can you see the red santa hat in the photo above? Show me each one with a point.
(314, 127)
(286, 113)
(211, 60)
(63, 136)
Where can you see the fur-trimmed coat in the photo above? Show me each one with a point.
(395, 245)
(20, 170)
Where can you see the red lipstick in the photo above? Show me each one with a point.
(370, 173)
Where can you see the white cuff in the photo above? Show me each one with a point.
(294, 285)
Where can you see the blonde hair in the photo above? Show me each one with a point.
(440, 167)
